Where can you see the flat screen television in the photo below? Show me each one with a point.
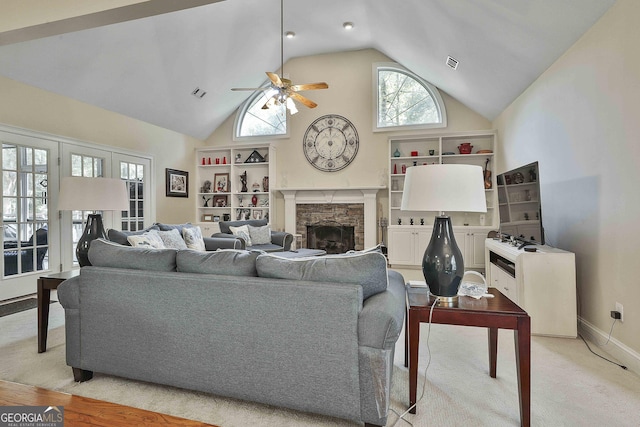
(519, 204)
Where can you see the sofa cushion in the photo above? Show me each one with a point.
(179, 227)
(120, 237)
(172, 239)
(259, 235)
(224, 225)
(228, 262)
(193, 238)
(146, 240)
(243, 232)
(366, 269)
(103, 253)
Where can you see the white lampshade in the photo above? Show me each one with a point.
(444, 188)
(93, 194)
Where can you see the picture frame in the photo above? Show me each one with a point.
(219, 202)
(257, 214)
(221, 183)
(177, 183)
(216, 218)
(207, 218)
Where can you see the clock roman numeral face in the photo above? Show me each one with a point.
(330, 143)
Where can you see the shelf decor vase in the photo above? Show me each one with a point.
(465, 148)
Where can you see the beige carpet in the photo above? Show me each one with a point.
(570, 386)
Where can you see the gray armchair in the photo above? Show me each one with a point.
(280, 240)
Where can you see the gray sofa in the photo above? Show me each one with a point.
(314, 334)
(211, 243)
(279, 240)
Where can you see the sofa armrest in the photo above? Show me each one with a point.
(240, 244)
(215, 243)
(382, 316)
(282, 238)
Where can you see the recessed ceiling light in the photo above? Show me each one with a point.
(347, 25)
(290, 34)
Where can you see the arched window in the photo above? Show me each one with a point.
(403, 99)
(252, 121)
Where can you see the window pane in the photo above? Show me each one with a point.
(76, 165)
(9, 157)
(9, 184)
(404, 100)
(258, 122)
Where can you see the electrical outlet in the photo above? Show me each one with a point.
(619, 308)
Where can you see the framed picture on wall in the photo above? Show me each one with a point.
(177, 182)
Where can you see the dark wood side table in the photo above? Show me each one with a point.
(45, 285)
(494, 313)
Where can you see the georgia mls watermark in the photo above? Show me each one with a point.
(31, 416)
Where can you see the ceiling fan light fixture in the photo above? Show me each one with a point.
(290, 34)
(291, 106)
(348, 25)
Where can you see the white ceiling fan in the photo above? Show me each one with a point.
(283, 91)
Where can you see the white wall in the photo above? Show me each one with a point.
(349, 75)
(31, 108)
(581, 121)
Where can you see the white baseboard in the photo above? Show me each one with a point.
(625, 355)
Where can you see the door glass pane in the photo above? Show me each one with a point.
(133, 173)
(87, 166)
(25, 209)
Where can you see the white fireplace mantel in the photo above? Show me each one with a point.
(365, 195)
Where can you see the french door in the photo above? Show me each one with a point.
(87, 161)
(30, 230)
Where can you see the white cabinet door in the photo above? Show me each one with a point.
(471, 245)
(474, 258)
(401, 246)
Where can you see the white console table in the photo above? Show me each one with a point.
(543, 283)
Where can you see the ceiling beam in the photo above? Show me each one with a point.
(97, 19)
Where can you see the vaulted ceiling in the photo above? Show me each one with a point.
(147, 67)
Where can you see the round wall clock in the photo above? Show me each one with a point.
(330, 143)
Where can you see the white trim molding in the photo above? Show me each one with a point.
(365, 195)
(625, 355)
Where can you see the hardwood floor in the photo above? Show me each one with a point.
(83, 411)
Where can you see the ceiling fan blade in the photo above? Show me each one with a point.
(251, 88)
(275, 79)
(310, 86)
(301, 99)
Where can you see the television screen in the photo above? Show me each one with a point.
(519, 204)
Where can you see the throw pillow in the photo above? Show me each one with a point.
(120, 237)
(171, 239)
(103, 253)
(368, 270)
(260, 235)
(193, 238)
(228, 262)
(242, 232)
(147, 240)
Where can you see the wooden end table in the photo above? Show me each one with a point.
(494, 313)
(45, 285)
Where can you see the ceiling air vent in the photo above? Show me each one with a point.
(198, 93)
(452, 62)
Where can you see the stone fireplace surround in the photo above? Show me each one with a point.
(331, 214)
(365, 196)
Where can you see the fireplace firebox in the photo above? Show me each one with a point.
(333, 237)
